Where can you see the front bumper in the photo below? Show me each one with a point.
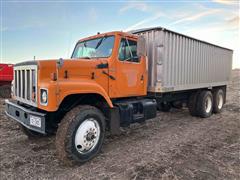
(30, 119)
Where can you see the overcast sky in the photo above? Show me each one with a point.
(50, 29)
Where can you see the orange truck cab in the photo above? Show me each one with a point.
(106, 74)
(107, 84)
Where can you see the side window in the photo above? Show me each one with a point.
(128, 50)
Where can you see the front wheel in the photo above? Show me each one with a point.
(80, 135)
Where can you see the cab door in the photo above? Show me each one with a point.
(131, 74)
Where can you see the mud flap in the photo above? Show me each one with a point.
(114, 121)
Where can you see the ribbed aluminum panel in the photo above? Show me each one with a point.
(178, 62)
(25, 84)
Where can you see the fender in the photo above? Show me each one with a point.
(70, 87)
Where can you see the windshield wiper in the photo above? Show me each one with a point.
(100, 42)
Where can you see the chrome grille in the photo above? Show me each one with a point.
(25, 84)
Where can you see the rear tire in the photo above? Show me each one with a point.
(205, 104)
(192, 104)
(218, 100)
(80, 135)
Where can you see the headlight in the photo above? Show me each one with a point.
(44, 96)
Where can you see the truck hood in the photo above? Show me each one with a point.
(71, 68)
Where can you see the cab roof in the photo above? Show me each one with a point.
(112, 33)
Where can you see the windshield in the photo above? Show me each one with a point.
(94, 48)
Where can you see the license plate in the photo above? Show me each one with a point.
(35, 121)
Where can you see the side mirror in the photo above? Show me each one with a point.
(141, 47)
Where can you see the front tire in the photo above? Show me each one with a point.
(80, 135)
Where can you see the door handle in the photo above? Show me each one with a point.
(142, 78)
(110, 76)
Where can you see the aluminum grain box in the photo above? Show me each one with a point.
(177, 62)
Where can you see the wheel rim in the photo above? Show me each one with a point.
(87, 136)
(208, 104)
(220, 101)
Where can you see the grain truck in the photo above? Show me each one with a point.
(113, 80)
(6, 77)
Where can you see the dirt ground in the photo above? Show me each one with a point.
(172, 146)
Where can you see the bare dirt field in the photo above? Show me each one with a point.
(174, 145)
